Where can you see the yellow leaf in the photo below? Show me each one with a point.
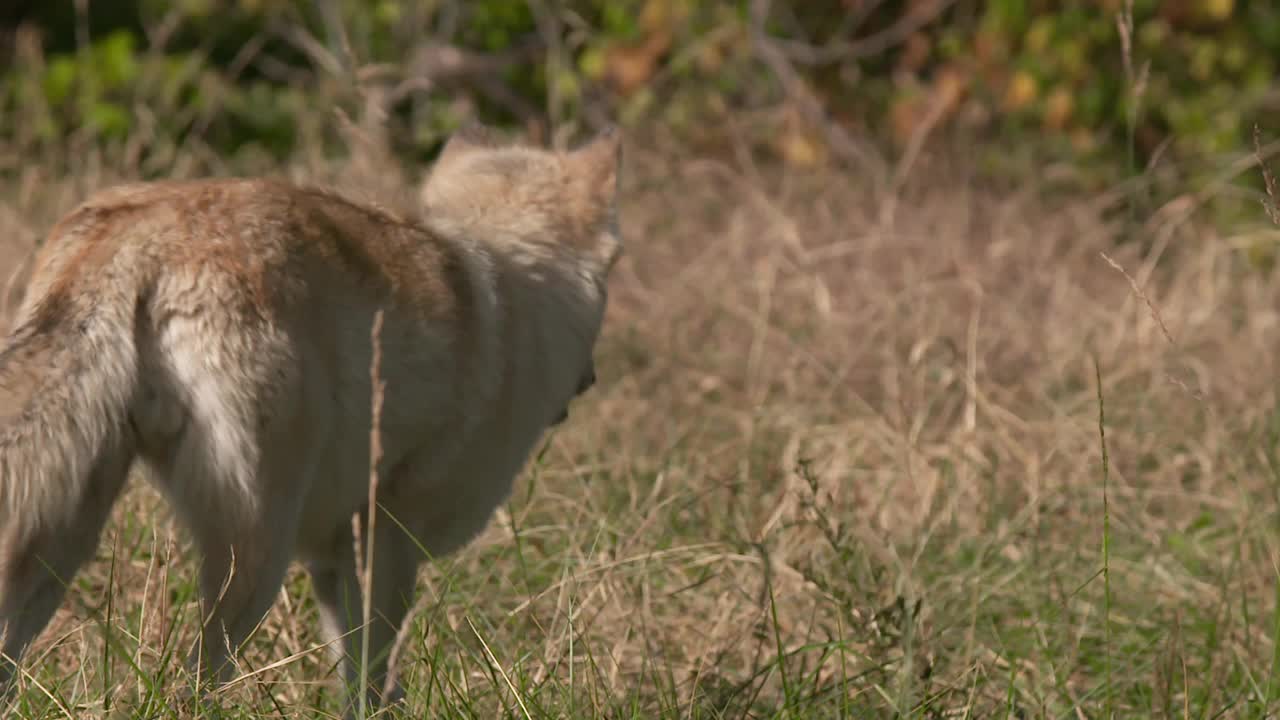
(1021, 91)
(797, 145)
(1058, 108)
(1217, 10)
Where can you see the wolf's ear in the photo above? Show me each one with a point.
(597, 165)
(470, 137)
(600, 159)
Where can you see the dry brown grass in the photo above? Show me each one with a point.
(839, 464)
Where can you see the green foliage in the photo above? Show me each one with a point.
(1194, 80)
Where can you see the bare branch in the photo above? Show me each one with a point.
(806, 101)
(1271, 203)
(871, 45)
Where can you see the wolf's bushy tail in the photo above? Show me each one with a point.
(67, 379)
(68, 375)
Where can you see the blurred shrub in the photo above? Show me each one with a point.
(1106, 79)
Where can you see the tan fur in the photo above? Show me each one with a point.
(218, 331)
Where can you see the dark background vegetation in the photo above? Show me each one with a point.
(1184, 81)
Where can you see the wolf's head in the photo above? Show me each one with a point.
(551, 213)
(524, 194)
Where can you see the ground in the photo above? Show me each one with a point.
(845, 459)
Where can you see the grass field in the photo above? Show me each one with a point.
(956, 451)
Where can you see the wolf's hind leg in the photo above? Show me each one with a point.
(239, 472)
(339, 593)
(241, 572)
(246, 548)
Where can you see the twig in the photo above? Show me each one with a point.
(305, 42)
(1155, 314)
(336, 30)
(1271, 204)
(159, 34)
(876, 43)
(493, 660)
(1136, 83)
(1106, 539)
(942, 101)
(804, 98)
(244, 57)
(378, 388)
(549, 22)
(1139, 292)
(433, 64)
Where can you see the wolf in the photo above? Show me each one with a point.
(217, 334)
